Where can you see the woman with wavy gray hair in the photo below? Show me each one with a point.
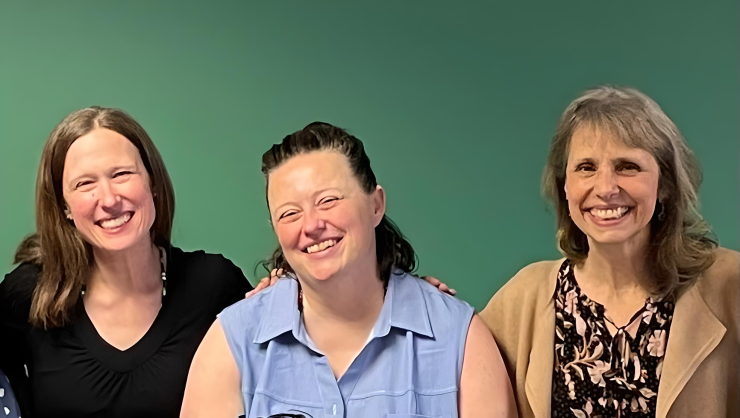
(641, 316)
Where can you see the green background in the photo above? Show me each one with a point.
(455, 101)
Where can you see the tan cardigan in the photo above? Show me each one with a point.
(700, 370)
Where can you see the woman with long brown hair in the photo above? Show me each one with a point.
(103, 315)
(640, 318)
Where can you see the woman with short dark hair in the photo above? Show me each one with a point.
(348, 331)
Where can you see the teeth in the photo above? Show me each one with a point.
(115, 222)
(321, 246)
(610, 213)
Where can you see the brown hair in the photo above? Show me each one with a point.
(392, 249)
(681, 246)
(65, 258)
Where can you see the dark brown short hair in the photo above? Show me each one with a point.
(392, 249)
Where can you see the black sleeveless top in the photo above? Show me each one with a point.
(73, 372)
(600, 374)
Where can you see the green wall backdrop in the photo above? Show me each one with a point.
(456, 102)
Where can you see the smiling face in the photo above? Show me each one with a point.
(611, 189)
(107, 192)
(324, 221)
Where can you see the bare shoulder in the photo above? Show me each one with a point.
(212, 387)
(485, 389)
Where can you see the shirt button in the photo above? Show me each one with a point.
(334, 409)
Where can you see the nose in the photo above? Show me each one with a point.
(313, 224)
(606, 185)
(109, 200)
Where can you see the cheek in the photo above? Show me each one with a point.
(642, 189)
(350, 219)
(81, 205)
(288, 234)
(137, 191)
(574, 192)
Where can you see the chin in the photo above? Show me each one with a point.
(614, 237)
(120, 244)
(321, 273)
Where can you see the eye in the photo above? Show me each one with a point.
(628, 167)
(83, 183)
(328, 202)
(122, 174)
(288, 215)
(585, 167)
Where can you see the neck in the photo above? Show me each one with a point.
(352, 298)
(130, 272)
(617, 267)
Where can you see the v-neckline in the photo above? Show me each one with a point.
(124, 361)
(601, 309)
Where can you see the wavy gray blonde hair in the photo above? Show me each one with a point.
(681, 244)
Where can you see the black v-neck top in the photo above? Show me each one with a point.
(73, 372)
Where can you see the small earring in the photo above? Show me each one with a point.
(69, 216)
(661, 214)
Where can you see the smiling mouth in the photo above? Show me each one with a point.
(112, 223)
(322, 246)
(610, 214)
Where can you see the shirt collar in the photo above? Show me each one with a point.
(404, 307)
(407, 305)
(281, 314)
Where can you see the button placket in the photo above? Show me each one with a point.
(333, 403)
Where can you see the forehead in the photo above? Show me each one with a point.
(100, 149)
(593, 142)
(305, 174)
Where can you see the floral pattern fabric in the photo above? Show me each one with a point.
(598, 374)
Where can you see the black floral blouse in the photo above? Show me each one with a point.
(598, 374)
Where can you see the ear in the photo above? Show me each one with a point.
(67, 213)
(378, 197)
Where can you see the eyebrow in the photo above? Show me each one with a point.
(318, 192)
(620, 160)
(124, 167)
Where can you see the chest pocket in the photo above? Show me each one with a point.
(265, 407)
(286, 383)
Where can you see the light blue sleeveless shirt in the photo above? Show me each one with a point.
(410, 367)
